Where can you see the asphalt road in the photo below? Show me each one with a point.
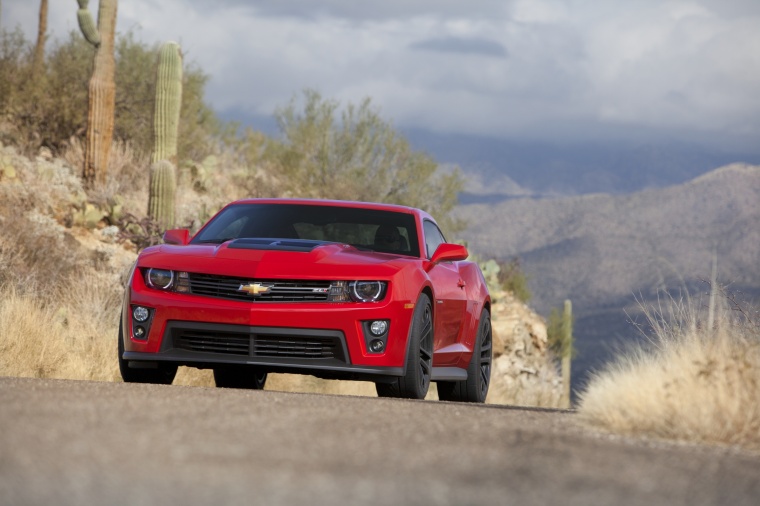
(87, 443)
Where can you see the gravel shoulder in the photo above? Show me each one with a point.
(80, 443)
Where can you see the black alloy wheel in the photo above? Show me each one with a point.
(475, 387)
(419, 360)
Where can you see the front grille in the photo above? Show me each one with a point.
(213, 342)
(227, 287)
(258, 345)
(295, 348)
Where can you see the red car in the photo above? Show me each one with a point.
(338, 290)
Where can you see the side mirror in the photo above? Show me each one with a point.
(178, 236)
(447, 252)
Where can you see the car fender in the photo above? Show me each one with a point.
(478, 298)
(412, 282)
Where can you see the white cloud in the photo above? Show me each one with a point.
(568, 69)
(539, 11)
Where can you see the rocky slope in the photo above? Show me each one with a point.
(524, 372)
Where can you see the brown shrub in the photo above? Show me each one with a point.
(694, 383)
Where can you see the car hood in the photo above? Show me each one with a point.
(323, 261)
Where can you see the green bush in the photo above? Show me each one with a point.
(507, 276)
(513, 279)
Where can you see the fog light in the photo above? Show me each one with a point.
(376, 346)
(139, 332)
(378, 327)
(140, 313)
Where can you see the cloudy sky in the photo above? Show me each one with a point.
(572, 70)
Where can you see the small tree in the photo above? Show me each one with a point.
(350, 154)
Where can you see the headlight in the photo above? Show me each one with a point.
(357, 291)
(159, 278)
(366, 291)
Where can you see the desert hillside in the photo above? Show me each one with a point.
(593, 248)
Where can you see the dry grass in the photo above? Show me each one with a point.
(73, 339)
(693, 384)
(59, 300)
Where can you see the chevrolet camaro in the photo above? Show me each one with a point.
(334, 289)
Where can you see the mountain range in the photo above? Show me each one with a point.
(544, 168)
(610, 252)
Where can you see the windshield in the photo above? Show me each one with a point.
(366, 229)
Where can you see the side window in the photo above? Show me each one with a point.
(433, 237)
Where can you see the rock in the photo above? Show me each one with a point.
(524, 371)
(45, 154)
(110, 234)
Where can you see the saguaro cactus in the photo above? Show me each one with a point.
(567, 351)
(39, 48)
(163, 188)
(560, 330)
(102, 90)
(163, 180)
(168, 102)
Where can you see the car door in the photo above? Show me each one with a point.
(449, 304)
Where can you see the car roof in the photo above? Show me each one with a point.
(337, 203)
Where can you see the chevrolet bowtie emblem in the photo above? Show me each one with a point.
(254, 289)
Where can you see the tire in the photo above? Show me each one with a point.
(475, 387)
(246, 377)
(163, 375)
(419, 360)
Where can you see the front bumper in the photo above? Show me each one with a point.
(322, 353)
(323, 339)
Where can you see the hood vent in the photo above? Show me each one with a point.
(301, 245)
